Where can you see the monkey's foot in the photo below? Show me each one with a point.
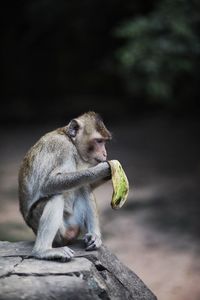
(61, 254)
(92, 241)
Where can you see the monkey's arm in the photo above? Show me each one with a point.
(59, 181)
(99, 183)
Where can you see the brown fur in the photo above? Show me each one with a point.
(55, 179)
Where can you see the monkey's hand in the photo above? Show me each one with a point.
(92, 241)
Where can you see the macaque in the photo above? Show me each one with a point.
(56, 180)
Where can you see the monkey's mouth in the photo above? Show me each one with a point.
(99, 160)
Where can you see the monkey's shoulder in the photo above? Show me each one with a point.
(55, 139)
(52, 142)
(50, 150)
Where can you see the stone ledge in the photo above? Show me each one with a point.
(90, 275)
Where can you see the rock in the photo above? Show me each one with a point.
(90, 275)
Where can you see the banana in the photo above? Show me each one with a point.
(120, 184)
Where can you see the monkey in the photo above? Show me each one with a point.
(55, 184)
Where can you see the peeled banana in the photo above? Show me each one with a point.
(120, 184)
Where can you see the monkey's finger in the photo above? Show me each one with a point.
(93, 244)
(92, 240)
(87, 238)
(91, 247)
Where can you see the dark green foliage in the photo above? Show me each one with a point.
(56, 51)
(160, 56)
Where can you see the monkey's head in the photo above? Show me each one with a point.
(89, 135)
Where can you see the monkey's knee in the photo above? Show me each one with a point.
(36, 214)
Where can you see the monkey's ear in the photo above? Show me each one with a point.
(73, 128)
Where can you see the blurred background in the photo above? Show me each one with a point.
(137, 63)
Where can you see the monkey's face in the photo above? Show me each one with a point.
(89, 135)
(92, 149)
(96, 150)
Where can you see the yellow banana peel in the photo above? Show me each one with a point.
(120, 184)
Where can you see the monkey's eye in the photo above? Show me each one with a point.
(99, 141)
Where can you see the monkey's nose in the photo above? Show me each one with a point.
(104, 156)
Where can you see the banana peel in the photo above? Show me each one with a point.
(120, 184)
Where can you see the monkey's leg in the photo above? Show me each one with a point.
(84, 216)
(50, 222)
(93, 236)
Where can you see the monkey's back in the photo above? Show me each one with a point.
(49, 152)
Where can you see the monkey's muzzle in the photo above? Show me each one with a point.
(120, 184)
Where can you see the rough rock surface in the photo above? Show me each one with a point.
(90, 275)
